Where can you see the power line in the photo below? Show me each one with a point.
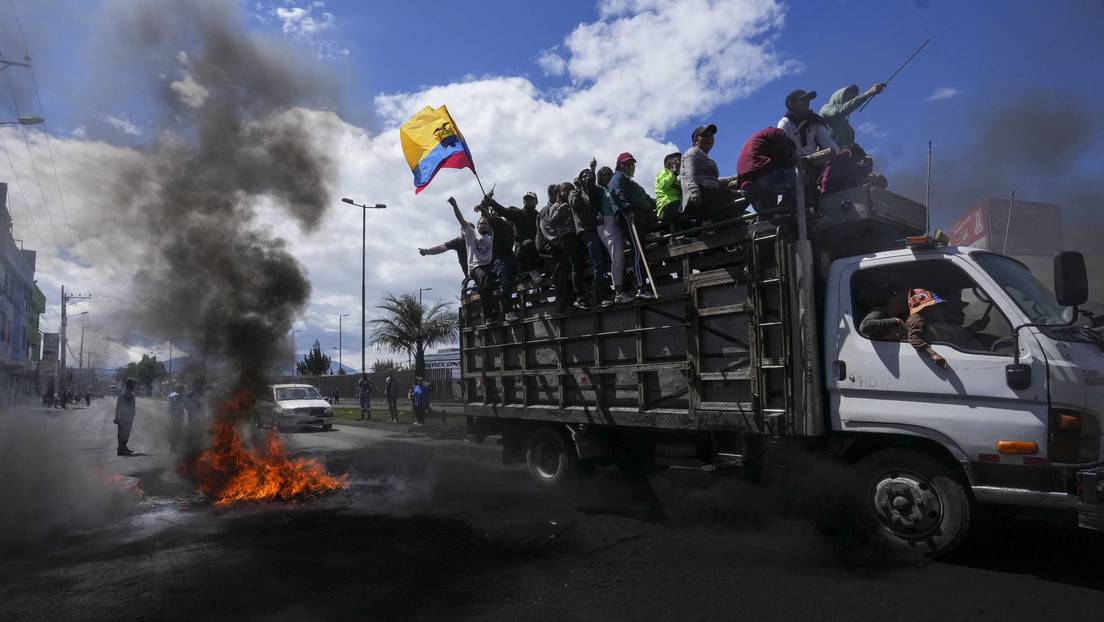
(26, 204)
(42, 113)
(34, 166)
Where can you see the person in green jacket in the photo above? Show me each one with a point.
(837, 112)
(668, 190)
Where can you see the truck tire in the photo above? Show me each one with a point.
(551, 458)
(914, 502)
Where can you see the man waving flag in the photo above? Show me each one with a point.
(431, 141)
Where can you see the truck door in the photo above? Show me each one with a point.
(880, 383)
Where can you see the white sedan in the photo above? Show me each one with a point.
(293, 406)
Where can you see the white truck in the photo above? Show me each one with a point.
(753, 348)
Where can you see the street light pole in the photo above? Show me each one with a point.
(420, 290)
(363, 259)
(339, 363)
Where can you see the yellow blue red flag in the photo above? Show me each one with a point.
(431, 141)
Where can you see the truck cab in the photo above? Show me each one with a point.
(1017, 411)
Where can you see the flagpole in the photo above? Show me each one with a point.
(479, 182)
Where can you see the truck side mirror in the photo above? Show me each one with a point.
(1018, 376)
(1071, 283)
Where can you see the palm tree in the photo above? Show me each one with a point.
(411, 326)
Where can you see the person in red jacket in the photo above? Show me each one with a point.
(765, 167)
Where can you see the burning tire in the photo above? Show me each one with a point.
(551, 457)
(915, 502)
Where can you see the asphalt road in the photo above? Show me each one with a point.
(439, 530)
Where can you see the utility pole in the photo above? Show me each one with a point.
(170, 361)
(65, 298)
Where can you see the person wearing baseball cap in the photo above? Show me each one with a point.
(703, 189)
(524, 222)
(632, 208)
(805, 128)
(922, 304)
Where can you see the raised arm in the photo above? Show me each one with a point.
(456, 212)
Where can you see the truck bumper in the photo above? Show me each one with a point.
(1090, 488)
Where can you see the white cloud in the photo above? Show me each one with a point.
(941, 93)
(871, 129)
(697, 55)
(120, 124)
(303, 21)
(551, 63)
(79, 132)
(191, 92)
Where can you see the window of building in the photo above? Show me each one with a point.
(966, 320)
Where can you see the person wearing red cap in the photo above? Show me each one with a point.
(632, 206)
(922, 304)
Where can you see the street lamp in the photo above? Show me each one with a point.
(420, 290)
(363, 255)
(339, 363)
(23, 121)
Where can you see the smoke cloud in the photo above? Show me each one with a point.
(233, 147)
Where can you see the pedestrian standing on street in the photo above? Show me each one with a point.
(420, 396)
(197, 418)
(337, 397)
(124, 416)
(176, 416)
(391, 392)
(87, 399)
(364, 393)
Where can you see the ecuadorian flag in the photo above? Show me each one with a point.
(431, 141)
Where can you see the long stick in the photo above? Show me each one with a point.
(643, 258)
(927, 194)
(1008, 222)
(898, 70)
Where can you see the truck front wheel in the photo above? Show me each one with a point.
(552, 460)
(916, 502)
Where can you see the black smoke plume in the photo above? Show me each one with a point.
(1043, 144)
(241, 137)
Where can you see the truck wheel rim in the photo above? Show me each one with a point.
(548, 459)
(907, 504)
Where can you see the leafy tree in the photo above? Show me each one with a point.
(314, 362)
(411, 326)
(386, 365)
(145, 372)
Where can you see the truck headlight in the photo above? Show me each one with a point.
(1074, 436)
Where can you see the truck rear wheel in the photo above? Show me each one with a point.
(916, 502)
(551, 458)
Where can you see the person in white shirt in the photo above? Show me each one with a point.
(805, 128)
(483, 267)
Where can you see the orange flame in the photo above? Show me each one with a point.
(230, 472)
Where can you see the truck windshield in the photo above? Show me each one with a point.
(1016, 280)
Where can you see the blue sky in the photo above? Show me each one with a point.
(388, 56)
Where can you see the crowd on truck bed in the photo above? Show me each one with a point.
(598, 222)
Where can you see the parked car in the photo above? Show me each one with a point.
(293, 406)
